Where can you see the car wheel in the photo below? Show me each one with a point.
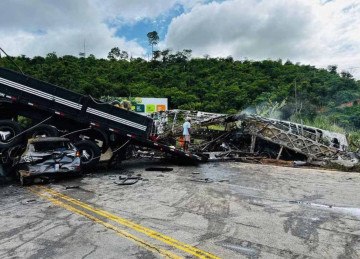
(89, 153)
(8, 130)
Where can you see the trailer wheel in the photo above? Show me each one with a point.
(43, 130)
(8, 130)
(100, 135)
(90, 153)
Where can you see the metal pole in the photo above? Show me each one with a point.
(279, 154)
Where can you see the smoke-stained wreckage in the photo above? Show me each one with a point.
(252, 138)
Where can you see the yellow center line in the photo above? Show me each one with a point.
(118, 231)
(147, 231)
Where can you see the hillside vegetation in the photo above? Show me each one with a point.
(220, 85)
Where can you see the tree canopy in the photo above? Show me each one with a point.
(153, 38)
(222, 85)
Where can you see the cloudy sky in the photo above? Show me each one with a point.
(316, 32)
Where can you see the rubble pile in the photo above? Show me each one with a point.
(254, 138)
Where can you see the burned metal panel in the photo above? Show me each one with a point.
(301, 144)
(240, 134)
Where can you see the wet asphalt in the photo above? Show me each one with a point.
(231, 210)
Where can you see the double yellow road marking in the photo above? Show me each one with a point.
(120, 232)
(83, 209)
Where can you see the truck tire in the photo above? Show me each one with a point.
(8, 130)
(43, 130)
(98, 134)
(90, 153)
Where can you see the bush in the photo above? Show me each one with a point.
(354, 140)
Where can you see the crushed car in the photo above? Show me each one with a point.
(48, 157)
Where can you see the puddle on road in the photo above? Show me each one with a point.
(215, 171)
(218, 172)
(343, 210)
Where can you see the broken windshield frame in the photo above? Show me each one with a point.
(52, 146)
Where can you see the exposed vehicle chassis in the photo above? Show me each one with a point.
(251, 137)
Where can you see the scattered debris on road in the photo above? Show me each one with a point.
(72, 187)
(255, 139)
(128, 180)
(161, 169)
(202, 180)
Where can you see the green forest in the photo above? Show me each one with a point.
(222, 85)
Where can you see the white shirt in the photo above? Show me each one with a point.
(186, 127)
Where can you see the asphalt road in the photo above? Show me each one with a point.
(240, 211)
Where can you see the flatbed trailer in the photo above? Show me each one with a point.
(72, 114)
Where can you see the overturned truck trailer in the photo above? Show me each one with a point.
(50, 110)
(222, 136)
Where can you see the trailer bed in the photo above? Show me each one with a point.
(25, 93)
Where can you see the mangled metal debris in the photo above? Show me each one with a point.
(243, 137)
(128, 180)
(44, 157)
(161, 169)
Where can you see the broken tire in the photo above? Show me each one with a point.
(44, 130)
(90, 153)
(8, 130)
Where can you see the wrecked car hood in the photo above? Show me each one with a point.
(50, 162)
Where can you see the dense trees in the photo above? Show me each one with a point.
(208, 84)
(117, 54)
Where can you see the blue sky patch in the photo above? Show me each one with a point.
(138, 31)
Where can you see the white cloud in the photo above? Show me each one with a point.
(317, 33)
(313, 32)
(40, 27)
(135, 10)
(339, 33)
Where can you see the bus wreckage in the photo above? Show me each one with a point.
(252, 138)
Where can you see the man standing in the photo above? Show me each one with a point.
(186, 133)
